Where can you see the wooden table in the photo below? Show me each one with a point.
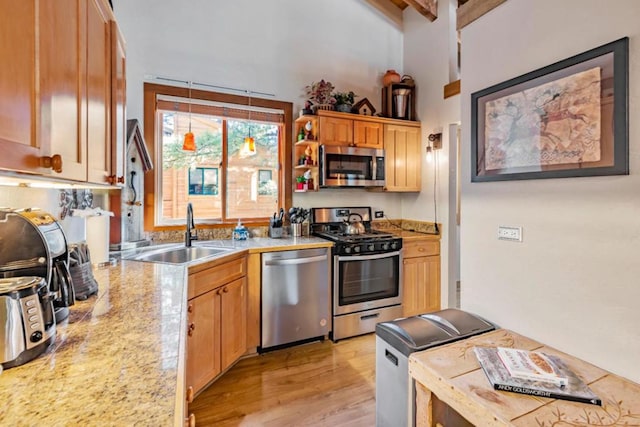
(450, 377)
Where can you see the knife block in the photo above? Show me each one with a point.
(275, 232)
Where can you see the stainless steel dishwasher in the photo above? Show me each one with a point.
(295, 296)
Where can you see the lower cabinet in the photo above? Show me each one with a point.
(217, 325)
(421, 277)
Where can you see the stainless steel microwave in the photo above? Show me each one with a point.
(351, 167)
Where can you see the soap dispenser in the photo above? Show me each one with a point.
(240, 232)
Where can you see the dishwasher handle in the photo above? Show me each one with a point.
(294, 261)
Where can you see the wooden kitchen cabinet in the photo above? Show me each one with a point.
(403, 158)
(368, 134)
(21, 144)
(421, 277)
(217, 326)
(336, 131)
(55, 80)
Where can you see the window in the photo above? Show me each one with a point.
(203, 181)
(221, 179)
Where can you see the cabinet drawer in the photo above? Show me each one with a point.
(417, 249)
(214, 277)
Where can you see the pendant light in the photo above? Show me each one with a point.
(189, 143)
(249, 146)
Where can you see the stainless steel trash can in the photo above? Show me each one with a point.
(396, 340)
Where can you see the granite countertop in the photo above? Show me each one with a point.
(119, 358)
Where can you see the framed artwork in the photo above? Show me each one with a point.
(568, 119)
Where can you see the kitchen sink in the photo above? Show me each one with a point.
(178, 255)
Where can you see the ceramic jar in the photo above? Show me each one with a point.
(391, 76)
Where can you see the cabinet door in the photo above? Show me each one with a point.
(368, 134)
(62, 59)
(19, 105)
(421, 292)
(98, 92)
(203, 340)
(403, 158)
(335, 131)
(118, 105)
(234, 321)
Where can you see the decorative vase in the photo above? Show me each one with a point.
(343, 108)
(390, 77)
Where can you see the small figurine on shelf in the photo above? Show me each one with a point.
(302, 161)
(308, 182)
(307, 108)
(308, 152)
(308, 127)
(301, 134)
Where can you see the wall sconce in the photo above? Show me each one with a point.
(434, 143)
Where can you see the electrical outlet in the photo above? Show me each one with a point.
(379, 214)
(513, 234)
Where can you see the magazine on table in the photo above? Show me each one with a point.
(500, 378)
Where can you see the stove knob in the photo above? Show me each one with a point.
(356, 249)
(394, 245)
(347, 250)
(385, 246)
(371, 247)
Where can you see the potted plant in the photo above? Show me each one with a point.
(319, 94)
(300, 181)
(344, 101)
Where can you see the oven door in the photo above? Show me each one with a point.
(362, 282)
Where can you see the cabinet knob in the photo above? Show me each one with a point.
(113, 179)
(191, 421)
(53, 162)
(218, 292)
(190, 394)
(225, 290)
(192, 327)
(190, 308)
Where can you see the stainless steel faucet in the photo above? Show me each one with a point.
(191, 225)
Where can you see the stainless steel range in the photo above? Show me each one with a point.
(367, 270)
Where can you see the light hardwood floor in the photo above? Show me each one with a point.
(316, 384)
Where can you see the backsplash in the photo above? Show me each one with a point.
(406, 225)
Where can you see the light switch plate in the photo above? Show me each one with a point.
(513, 234)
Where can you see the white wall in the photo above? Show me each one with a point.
(275, 47)
(573, 281)
(426, 55)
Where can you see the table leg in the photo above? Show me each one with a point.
(424, 406)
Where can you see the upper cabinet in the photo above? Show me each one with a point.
(56, 111)
(350, 130)
(20, 140)
(403, 158)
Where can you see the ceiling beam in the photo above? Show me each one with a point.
(474, 9)
(388, 9)
(427, 8)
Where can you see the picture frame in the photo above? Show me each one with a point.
(568, 119)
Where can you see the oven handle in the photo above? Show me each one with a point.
(368, 257)
(293, 261)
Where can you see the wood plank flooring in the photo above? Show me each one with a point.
(316, 384)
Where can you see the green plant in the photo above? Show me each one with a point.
(347, 98)
(301, 179)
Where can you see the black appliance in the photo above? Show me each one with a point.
(396, 340)
(351, 167)
(367, 271)
(32, 243)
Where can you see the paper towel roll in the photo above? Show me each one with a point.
(97, 232)
(98, 238)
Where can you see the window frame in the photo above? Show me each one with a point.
(202, 170)
(151, 93)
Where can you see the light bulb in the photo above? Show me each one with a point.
(429, 154)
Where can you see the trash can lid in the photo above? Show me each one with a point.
(412, 334)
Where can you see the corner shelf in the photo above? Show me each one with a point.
(303, 148)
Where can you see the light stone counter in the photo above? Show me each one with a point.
(119, 358)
